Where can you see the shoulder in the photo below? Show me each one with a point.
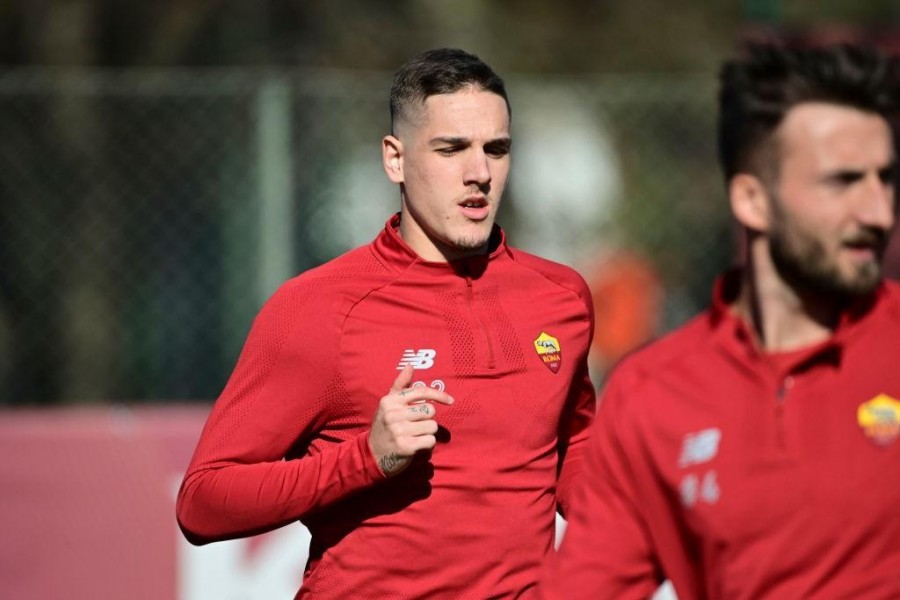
(361, 262)
(323, 290)
(647, 392)
(557, 274)
(664, 357)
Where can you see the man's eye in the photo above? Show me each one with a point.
(844, 179)
(447, 151)
(497, 150)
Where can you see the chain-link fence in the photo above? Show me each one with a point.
(147, 215)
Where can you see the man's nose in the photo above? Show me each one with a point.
(478, 169)
(876, 207)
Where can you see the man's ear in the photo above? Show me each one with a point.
(750, 202)
(392, 158)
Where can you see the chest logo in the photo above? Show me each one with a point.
(419, 359)
(699, 447)
(879, 419)
(549, 351)
(699, 485)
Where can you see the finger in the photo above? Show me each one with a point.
(412, 429)
(425, 442)
(420, 411)
(403, 379)
(400, 415)
(421, 393)
(426, 394)
(411, 445)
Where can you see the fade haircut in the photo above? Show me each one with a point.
(758, 90)
(440, 71)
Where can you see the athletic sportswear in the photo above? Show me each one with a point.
(506, 334)
(741, 475)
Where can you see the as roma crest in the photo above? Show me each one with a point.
(879, 419)
(548, 350)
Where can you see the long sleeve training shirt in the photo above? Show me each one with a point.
(744, 475)
(506, 334)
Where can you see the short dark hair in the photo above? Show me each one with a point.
(759, 89)
(440, 71)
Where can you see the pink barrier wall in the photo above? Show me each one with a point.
(87, 511)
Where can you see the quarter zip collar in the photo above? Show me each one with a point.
(736, 336)
(394, 253)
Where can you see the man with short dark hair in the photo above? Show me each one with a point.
(753, 453)
(445, 486)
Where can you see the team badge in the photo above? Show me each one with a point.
(548, 349)
(879, 419)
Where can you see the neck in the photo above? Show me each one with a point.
(428, 246)
(783, 316)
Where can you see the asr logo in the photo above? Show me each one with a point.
(879, 419)
(548, 350)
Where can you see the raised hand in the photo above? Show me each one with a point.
(404, 423)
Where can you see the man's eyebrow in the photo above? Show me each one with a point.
(504, 142)
(844, 173)
(450, 141)
(886, 173)
(463, 141)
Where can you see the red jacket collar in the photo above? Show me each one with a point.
(738, 336)
(396, 253)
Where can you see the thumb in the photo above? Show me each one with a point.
(403, 379)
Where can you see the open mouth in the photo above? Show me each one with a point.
(864, 251)
(474, 203)
(867, 243)
(476, 209)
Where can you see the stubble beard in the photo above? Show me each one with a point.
(471, 243)
(802, 260)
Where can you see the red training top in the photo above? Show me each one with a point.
(506, 335)
(738, 476)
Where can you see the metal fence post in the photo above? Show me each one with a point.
(275, 185)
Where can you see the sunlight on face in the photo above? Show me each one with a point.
(833, 204)
(455, 164)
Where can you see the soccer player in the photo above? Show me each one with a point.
(754, 452)
(421, 402)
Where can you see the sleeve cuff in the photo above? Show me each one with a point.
(370, 465)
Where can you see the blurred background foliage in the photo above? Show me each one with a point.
(167, 163)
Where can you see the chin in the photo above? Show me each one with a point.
(472, 246)
(864, 282)
(852, 283)
(472, 242)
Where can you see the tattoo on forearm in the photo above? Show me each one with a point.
(390, 464)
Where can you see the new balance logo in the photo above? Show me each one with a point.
(422, 359)
(699, 447)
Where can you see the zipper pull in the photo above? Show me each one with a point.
(786, 384)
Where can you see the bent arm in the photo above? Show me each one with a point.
(226, 499)
(242, 479)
